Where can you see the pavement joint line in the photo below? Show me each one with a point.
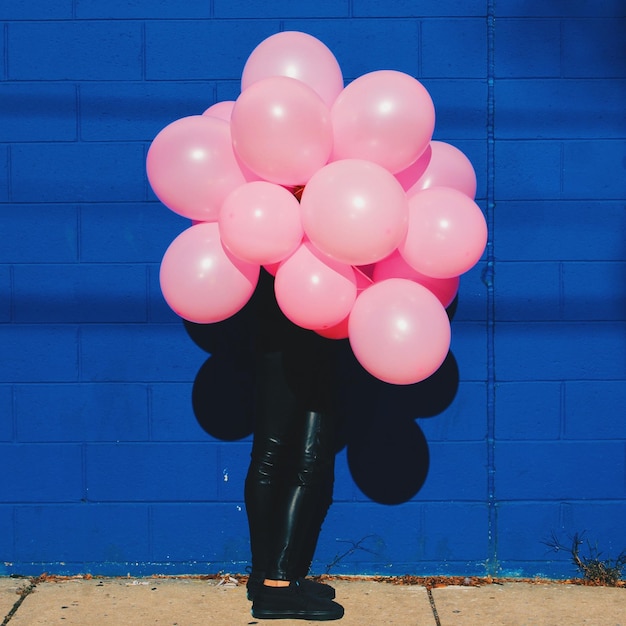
(431, 599)
(23, 594)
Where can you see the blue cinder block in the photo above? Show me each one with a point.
(591, 292)
(233, 458)
(228, 89)
(171, 413)
(446, 528)
(593, 48)
(74, 50)
(5, 293)
(355, 536)
(528, 170)
(141, 9)
(6, 411)
(561, 350)
(151, 472)
(158, 310)
(459, 109)
(40, 10)
(138, 111)
(524, 526)
(468, 347)
(599, 523)
(457, 471)
(215, 533)
(39, 233)
(606, 180)
(80, 293)
(39, 353)
(6, 538)
(394, 47)
(205, 50)
(462, 420)
(523, 8)
(410, 8)
(74, 172)
(281, 9)
(82, 534)
(81, 412)
(25, 117)
(120, 352)
(556, 228)
(527, 48)
(569, 109)
(528, 291)
(471, 303)
(4, 173)
(462, 55)
(127, 232)
(560, 470)
(594, 410)
(31, 479)
(528, 411)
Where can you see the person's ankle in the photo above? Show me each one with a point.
(268, 582)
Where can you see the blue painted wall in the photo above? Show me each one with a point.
(106, 467)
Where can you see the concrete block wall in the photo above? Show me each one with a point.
(107, 467)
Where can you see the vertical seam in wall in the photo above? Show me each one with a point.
(419, 48)
(143, 52)
(562, 408)
(492, 555)
(78, 113)
(9, 173)
(5, 52)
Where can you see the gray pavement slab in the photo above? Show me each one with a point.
(529, 604)
(194, 601)
(11, 590)
(191, 602)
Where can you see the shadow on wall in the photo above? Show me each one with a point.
(376, 420)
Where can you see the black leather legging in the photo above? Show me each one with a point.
(289, 484)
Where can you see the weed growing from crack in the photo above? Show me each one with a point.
(593, 567)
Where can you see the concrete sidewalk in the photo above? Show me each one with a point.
(214, 602)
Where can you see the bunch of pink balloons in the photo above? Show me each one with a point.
(340, 192)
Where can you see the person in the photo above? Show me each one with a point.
(289, 484)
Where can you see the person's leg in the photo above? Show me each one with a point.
(271, 450)
(305, 499)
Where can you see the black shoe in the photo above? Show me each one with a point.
(313, 588)
(293, 603)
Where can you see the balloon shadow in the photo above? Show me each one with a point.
(221, 396)
(387, 451)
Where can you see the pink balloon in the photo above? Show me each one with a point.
(340, 331)
(192, 168)
(296, 55)
(201, 281)
(399, 331)
(354, 211)
(260, 223)
(386, 116)
(447, 167)
(221, 110)
(447, 233)
(394, 266)
(271, 268)
(409, 176)
(281, 130)
(312, 291)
